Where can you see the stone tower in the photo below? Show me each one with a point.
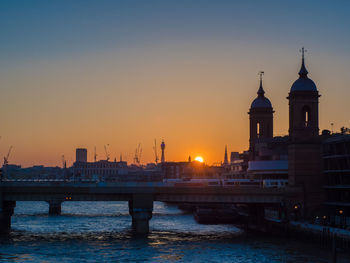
(261, 119)
(304, 150)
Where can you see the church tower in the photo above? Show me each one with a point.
(303, 107)
(304, 150)
(260, 118)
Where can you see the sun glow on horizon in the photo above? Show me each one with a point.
(199, 159)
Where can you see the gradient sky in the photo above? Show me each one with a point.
(89, 73)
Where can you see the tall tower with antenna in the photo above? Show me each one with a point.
(162, 146)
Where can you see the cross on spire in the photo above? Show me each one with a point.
(303, 50)
(261, 91)
(303, 71)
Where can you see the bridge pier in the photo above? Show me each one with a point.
(140, 209)
(6, 211)
(256, 214)
(54, 207)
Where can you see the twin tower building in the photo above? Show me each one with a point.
(304, 145)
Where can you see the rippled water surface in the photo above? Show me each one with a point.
(100, 232)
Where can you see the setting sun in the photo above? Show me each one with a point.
(199, 159)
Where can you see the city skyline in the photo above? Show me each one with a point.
(134, 75)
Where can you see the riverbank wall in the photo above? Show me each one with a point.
(334, 240)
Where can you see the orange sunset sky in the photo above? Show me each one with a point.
(91, 73)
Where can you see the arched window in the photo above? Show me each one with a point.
(306, 116)
(258, 129)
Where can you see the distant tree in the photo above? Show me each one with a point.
(326, 132)
(344, 130)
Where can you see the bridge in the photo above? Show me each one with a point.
(140, 197)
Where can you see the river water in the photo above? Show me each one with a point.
(100, 232)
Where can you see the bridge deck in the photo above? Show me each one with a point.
(123, 191)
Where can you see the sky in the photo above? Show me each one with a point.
(119, 73)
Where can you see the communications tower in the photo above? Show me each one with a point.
(162, 146)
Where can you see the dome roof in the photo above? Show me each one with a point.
(303, 83)
(261, 102)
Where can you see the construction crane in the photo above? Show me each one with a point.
(107, 154)
(155, 151)
(138, 153)
(6, 158)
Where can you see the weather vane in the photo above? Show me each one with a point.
(261, 73)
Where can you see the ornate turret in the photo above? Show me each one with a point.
(303, 106)
(261, 118)
(303, 83)
(261, 101)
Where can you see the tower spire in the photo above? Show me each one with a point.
(261, 91)
(303, 71)
(225, 158)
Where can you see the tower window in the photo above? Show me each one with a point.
(306, 116)
(258, 129)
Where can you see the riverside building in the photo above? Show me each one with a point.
(319, 164)
(336, 168)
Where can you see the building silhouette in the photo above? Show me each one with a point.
(317, 164)
(225, 156)
(336, 165)
(261, 120)
(304, 149)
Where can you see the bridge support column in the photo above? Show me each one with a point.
(140, 209)
(54, 207)
(256, 214)
(6, 211)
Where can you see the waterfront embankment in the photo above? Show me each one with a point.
(334, 240)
